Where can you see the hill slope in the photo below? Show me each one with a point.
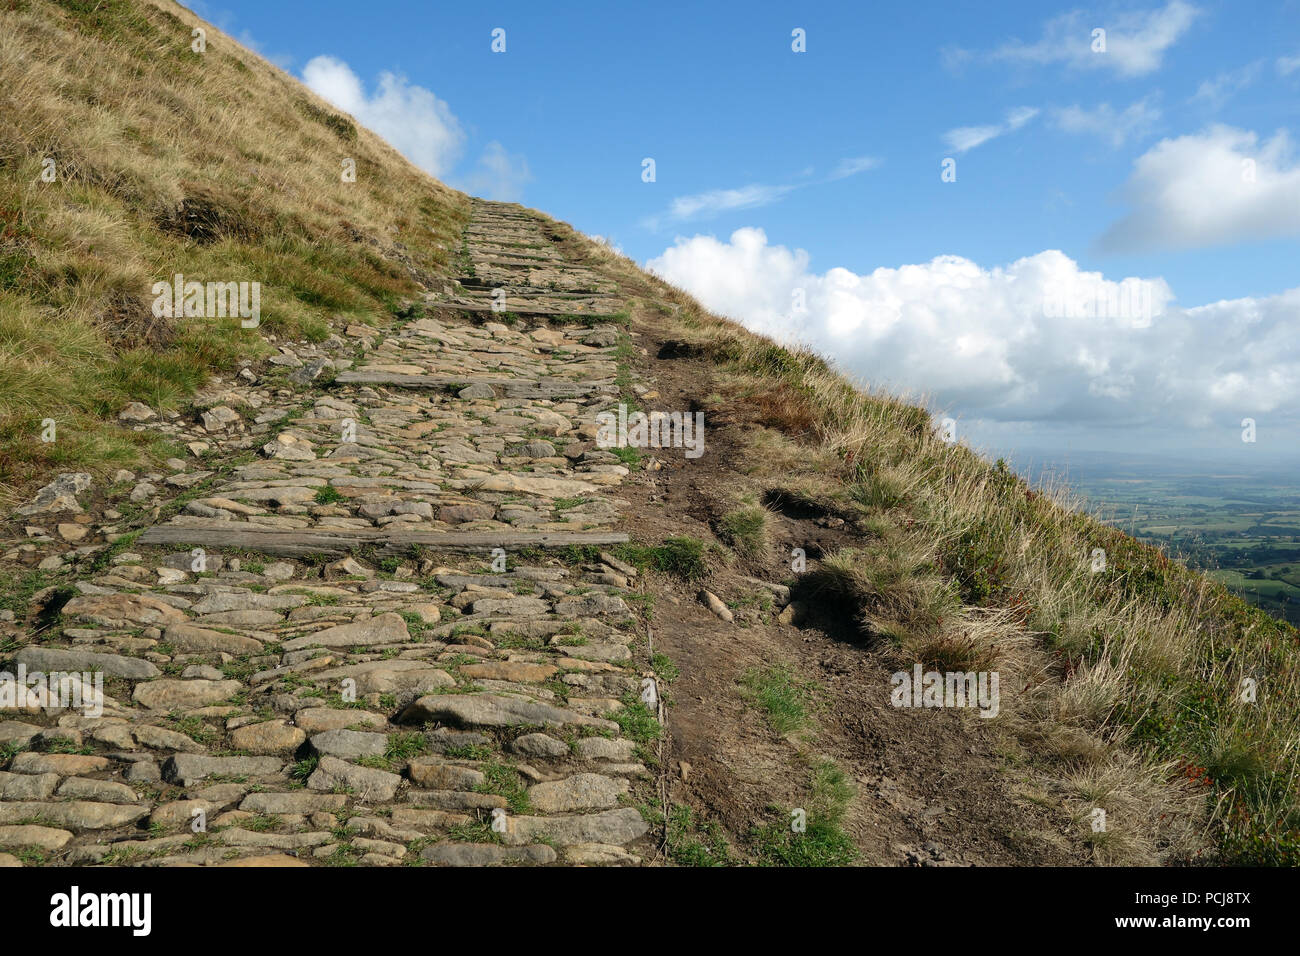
(213, 165)
(307, 631)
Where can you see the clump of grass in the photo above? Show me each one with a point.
(636, 721)
(745, 530)
(505, 781)
(664, 667)
(822, 842)
(695, 843)
(329, 495)
(304, 768)
(782, 696)
(681, 556)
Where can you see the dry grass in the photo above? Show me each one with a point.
(1126, 687)
(214, 165)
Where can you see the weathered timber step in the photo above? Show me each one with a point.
(513, 387)
(340, 542)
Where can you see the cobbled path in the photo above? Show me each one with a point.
(350, 641)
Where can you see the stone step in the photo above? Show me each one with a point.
(460, 305)
(221, 534)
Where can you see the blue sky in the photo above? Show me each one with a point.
(1129, 161)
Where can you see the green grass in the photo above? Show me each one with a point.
(783, 697)
(823, 841)
(695, 843)
(745, 531)
(664, 667)
(636, 721)
(505, 781)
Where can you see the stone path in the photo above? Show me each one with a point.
(319, 657)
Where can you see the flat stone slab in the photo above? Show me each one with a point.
(381, 629)
(295, 802)
(48, 659)
(123, 610)
(616, 827)
(167, 694)
(366, 783)
(73, 815)
(187, 769)
(486, 854)
(189, 639)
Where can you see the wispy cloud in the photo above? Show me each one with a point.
(1214, 93)
(498, 175)
(714, 202)
(1286, 65)
(1105, 123)
(851, 167)
(965, 138)
(1135, 42)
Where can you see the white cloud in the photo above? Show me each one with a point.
(1135, 42)
(706, 205)
(418, 124)
(498, 175)
(1214, 93)
(1105, 123)
(852, 166)
(718, 201)
(964, 138)
(1286, 65)
(1217, 186)
(982, 343)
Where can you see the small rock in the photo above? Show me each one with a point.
(714, 604)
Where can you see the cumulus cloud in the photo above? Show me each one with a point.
(995, 343)
(417, 124)
(1135, 42)
(964, 138)
(1210, 188)
(1103, 122)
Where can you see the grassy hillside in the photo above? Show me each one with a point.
(215, 165)
(1126, 685)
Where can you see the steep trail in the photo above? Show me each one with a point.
(320, 656)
